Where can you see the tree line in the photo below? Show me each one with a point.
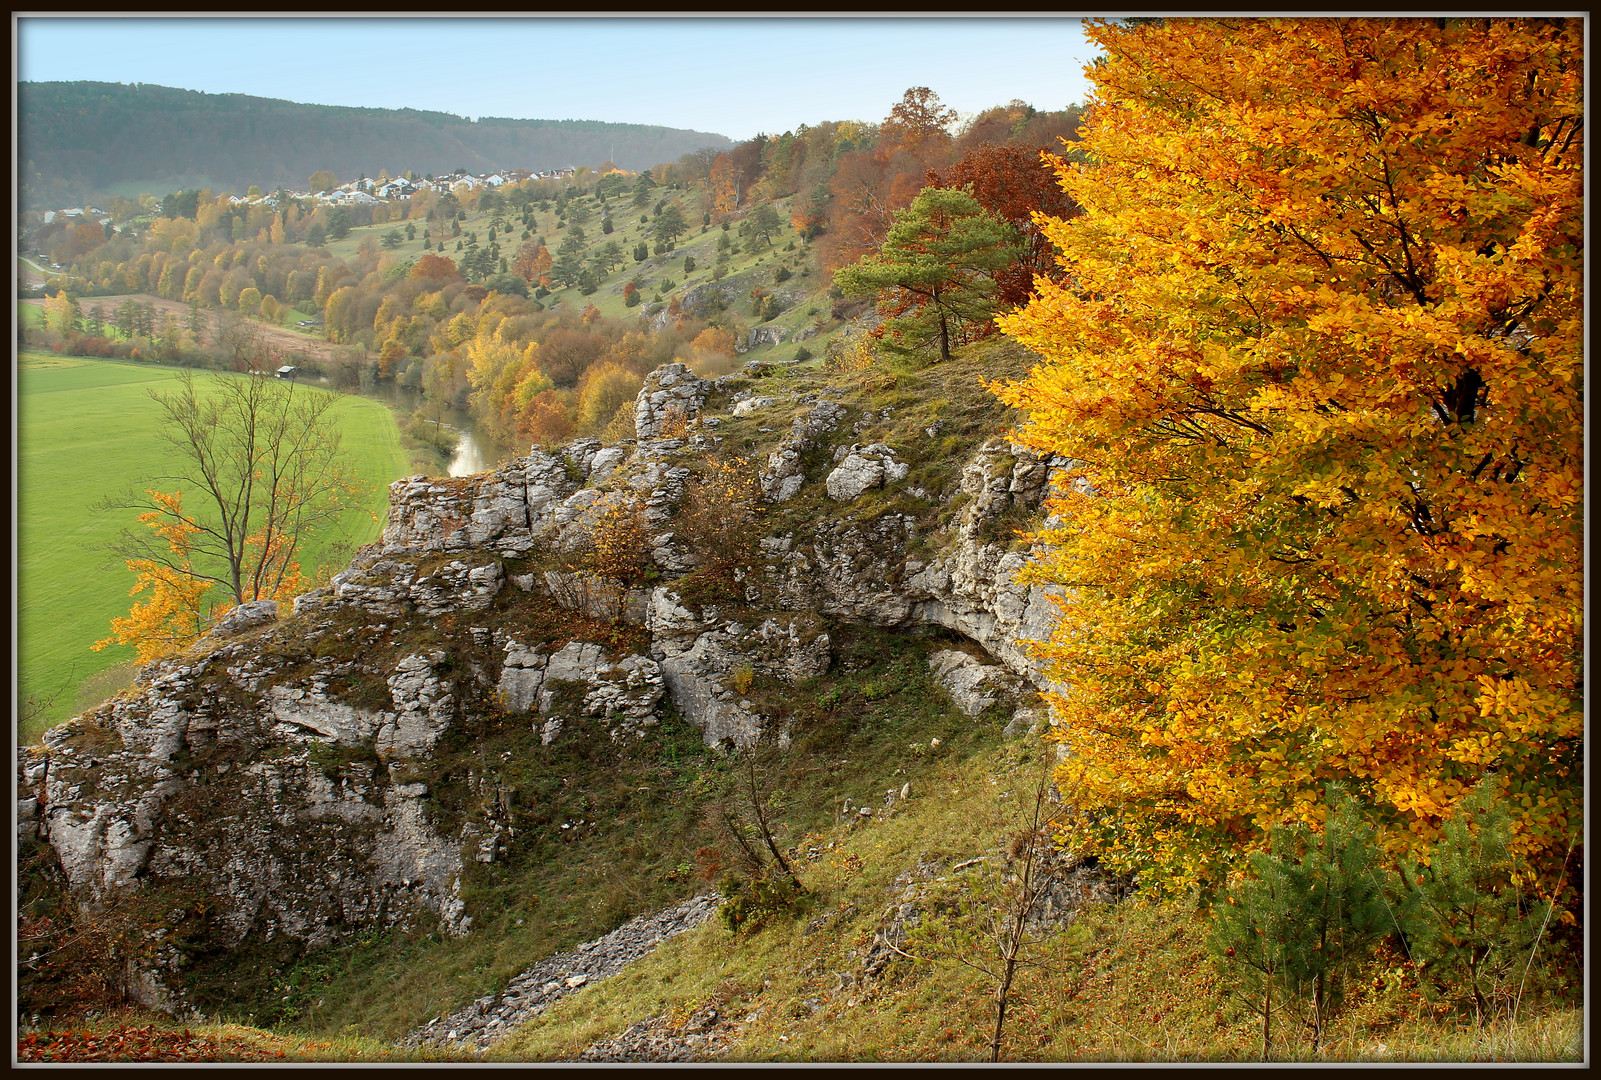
(82, 137)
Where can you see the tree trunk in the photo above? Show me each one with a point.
(1317, 1013)
(1001, 992)
(1267, 1018)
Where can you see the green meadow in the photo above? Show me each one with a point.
(88, 429)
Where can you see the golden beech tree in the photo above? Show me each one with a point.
(1316, 356)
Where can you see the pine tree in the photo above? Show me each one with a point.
(1316, 901)
(1465, 920)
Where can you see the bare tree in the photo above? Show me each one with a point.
(994, 927)
(259, 462)
(746, 819)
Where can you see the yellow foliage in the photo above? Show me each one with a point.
(602, 390)
(855, 356)
(618, 544)
(170, 617)
(719, 515)
(1318, 361)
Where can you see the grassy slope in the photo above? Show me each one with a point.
(1127, 982)
(751, 264)
(87, 430)
(1130, 982)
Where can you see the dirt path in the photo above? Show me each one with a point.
(280, 339)
(30, 274)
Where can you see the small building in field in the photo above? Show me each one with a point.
(288, 371)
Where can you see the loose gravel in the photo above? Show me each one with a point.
(535, 990)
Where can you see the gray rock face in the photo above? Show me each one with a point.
(307, 716)
(669, 389)
(269, 767)
(245, 617)
(764, 335)
(703, 658)
(971, 586)
(503, 510)
(699, 658)
(627, 692)
(782, 478)
(850, 570)
(973, 685)
(425, 706)
(283, 845)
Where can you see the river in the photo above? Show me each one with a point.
(475, 452)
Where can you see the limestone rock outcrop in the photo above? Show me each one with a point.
(278, 767)
(973, 685)
(626, 692)
(668, 390)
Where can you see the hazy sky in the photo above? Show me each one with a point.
(732, 76)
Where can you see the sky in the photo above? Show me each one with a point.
(732, 76)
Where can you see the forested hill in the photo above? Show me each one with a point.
(82, 138)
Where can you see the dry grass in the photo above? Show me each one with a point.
(1127, 982)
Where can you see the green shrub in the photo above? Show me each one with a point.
(749, 902)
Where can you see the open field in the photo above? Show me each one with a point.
(87, 429)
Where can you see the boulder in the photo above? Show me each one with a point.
(862, 469)
(973, 685)
(245, 617)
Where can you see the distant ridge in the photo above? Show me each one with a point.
(78, 139)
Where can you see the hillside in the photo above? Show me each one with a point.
(492, 767)
(942, 600)
(83, 139)
(443, 295)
